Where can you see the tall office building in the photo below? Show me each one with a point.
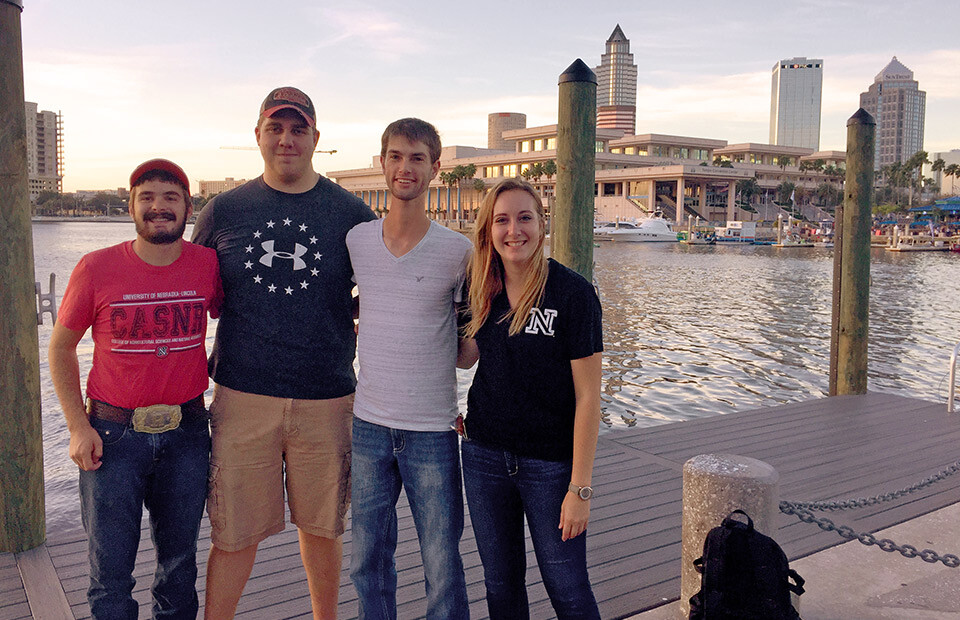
(898, 105)
(617, 85)
(795, 103)
(44, 150)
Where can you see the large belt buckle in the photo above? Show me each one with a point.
(156, 418)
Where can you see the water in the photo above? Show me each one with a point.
(689, 331)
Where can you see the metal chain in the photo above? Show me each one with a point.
(908, 551)
(876, 499)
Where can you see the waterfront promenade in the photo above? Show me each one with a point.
(841, 447)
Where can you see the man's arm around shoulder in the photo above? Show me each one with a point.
(86, 447)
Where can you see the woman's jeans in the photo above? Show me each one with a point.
(501, 488)
(167, 473)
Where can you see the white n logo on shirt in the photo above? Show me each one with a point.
(541, 321)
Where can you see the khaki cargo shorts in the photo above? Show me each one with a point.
(263, 445)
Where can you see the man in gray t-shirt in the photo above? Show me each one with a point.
(409, 272)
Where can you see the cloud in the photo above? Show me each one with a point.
(363, 30)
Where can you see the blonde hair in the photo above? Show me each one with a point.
(486, 268)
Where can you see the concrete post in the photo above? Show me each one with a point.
(714, 485)
(848, 369)
(571, 228)
(21, 449)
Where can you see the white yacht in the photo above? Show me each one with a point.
(652, 228)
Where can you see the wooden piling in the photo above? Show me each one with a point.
(571, 228)
(21, 451)
(851, 255)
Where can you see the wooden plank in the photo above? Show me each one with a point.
(827, 448)
(44, 593)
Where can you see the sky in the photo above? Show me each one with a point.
(182, 78)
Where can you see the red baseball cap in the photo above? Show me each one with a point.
(289, 98)
(159, 164)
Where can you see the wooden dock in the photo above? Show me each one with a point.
(833, 448)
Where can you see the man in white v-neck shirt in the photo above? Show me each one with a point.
(410, 274)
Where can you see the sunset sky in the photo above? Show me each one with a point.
(180, 79)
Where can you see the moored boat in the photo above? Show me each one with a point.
(653, 228)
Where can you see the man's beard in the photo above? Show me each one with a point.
(161, 237)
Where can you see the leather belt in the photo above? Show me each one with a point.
(152, 419)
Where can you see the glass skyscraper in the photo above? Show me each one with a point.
(795, 103)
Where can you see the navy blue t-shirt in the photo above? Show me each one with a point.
(522, 398)
(286, 327)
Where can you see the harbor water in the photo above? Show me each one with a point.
(689, 331)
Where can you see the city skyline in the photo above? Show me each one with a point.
(137, 82)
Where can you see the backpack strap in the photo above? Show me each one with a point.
(797, 586)
(730, 522)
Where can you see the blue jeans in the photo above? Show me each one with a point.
(501, 488)
(167, 473)
(427, 465)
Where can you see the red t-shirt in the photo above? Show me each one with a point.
(149, 323)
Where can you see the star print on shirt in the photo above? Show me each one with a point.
(282, 253)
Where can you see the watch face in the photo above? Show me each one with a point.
(585, 493)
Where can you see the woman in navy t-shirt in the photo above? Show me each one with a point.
(533, 409)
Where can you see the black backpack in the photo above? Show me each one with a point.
(745, 576)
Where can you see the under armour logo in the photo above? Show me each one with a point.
(541, 321)
(163, 350)
(298, 251)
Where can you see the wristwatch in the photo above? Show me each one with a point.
(583, 493)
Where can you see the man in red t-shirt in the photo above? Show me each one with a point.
(141, 438)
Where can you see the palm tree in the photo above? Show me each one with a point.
(448, 179)
(784, 190)
(549, 168)
(458, 174)
(953, 170)
(914, 164)
(828, 195)
(748, 188)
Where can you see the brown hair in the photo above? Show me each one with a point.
(414, 130)
(486, 268)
